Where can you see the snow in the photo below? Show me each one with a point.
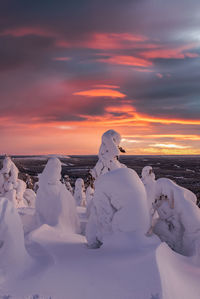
(55, 205)
(128, 267)
(10, 186)
(148, 179)
(12, 250)
(179, 217)
(67, 183)
(119, 205)
(108, 154)
(30, 197)
(54, 260)
(89, 199)
(79, 192)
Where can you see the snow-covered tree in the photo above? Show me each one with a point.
(67, 183)
(10, 186)
(89, 199)
(55, 205)
(108, 154)
(148, 179)
(13, 255)
(120, 205)
(179, 217)
(79, 192)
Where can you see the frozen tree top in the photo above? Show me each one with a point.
(147, 173)
(108, 154)
(52, 171)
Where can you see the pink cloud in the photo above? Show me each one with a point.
(127, 60)
(23, 31)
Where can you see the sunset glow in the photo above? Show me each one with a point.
(68, 72)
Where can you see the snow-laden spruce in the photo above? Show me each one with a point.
(89, 199)
(79, 192)
(178, 221)
(108, 154)
(11, 186)
(119, 205)
(55, 205)
(67, 183)
(13, 255)
(148, 179)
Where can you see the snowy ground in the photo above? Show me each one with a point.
(127, 267)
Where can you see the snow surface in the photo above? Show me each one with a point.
(129, 266)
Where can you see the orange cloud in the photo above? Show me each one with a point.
(166, 151)
(101, 93)
(166, 121)
(160, 136)
(127, 60)
(169, 145)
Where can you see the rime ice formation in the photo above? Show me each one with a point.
(119, 205)
(30, 197)
(148, 179)
(55, 205)
(89, 199)
(108, 154)
(68, 184)
(12, 250)
(10, 186)
(79, 192)
(179, 217)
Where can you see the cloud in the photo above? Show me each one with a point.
(129, 65)
(171, 146)
(100, 93)
(127, 60)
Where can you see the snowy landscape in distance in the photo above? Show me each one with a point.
(110, 226)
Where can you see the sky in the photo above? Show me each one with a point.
(71, 70)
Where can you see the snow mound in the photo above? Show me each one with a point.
(179, 278)
(120, 205)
